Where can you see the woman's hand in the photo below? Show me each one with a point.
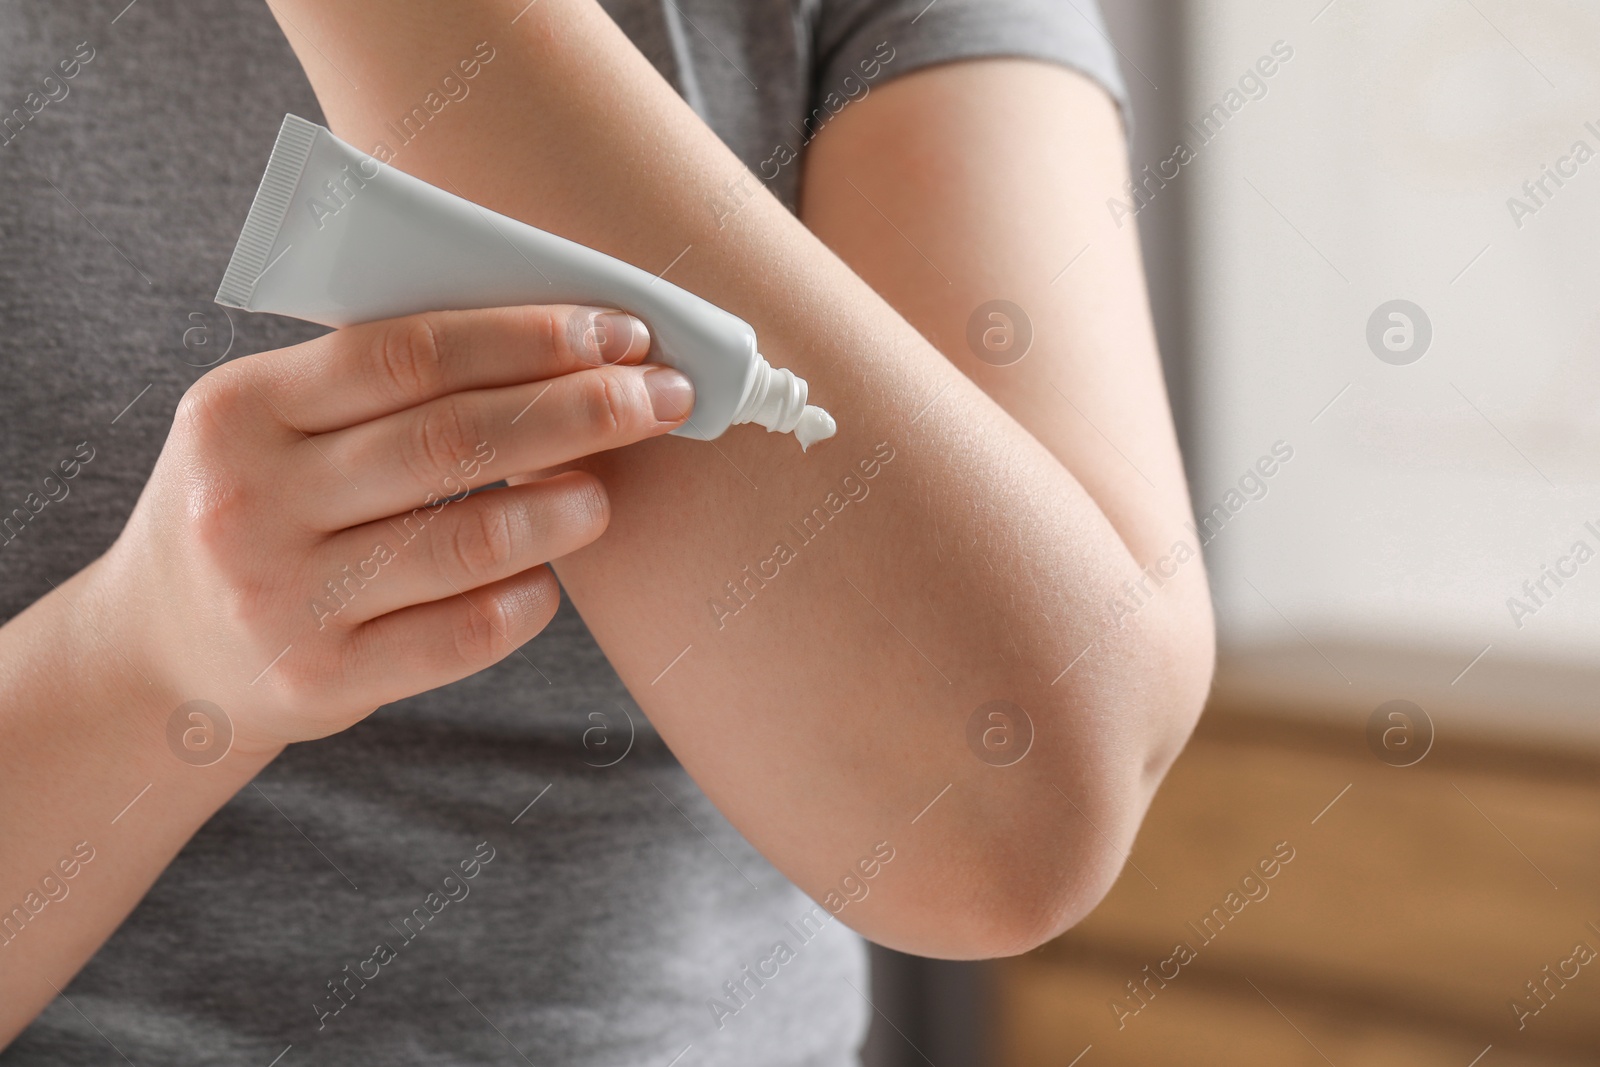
(303, 551)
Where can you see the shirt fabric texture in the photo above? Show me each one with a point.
(615, 902)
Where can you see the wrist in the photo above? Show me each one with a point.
(155, 707)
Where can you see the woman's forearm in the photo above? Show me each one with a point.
(95, 801)
(810, 633)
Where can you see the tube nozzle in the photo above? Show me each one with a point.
(776, 399)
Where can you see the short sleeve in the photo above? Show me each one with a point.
(853, 37)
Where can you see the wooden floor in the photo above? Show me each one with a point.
(1419, 903)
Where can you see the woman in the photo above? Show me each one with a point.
(893, 686)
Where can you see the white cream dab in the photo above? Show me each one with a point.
(814, 425)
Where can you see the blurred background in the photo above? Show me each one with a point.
(1372, 234)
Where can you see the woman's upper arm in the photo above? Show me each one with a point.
(959, 185)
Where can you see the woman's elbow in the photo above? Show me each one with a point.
(1036, 851)
(1094, 793)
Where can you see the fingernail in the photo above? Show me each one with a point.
(612, 336)
(671, 394)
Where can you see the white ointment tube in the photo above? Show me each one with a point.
(338, 238)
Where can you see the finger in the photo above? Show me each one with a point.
(426, 555)
(361, 373)
(466, 440)
(423, 647)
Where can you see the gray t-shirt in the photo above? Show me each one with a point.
(513, 868)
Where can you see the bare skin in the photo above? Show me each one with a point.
(206, 592)
(831, 709)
